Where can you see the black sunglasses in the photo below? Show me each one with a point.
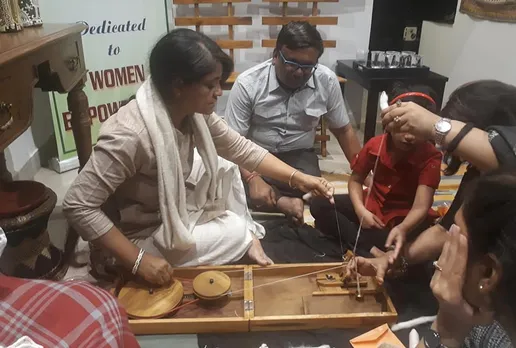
(294, 66)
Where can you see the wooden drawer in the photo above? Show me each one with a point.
(65, 66)
(16, 88)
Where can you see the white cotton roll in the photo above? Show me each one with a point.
(412, 323)
(413, 338)
(384, 101)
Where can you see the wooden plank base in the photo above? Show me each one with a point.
(274, 298)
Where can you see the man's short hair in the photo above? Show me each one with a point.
(299, 34)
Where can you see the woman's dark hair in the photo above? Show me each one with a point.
(483, 103)
(398, 88)
(300, 34)
(128, 100)
(489, 212)
(185, 56)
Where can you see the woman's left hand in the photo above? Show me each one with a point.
(317, 185)
(410, 118)
(456, 317)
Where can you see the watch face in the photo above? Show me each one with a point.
(443, 126)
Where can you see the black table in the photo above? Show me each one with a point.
(376, 84)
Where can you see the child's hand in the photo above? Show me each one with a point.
(397, 236)
(369, 220)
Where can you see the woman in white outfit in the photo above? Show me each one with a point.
(155, 194)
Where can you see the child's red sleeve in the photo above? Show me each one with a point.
(364, 161)
(430, 175)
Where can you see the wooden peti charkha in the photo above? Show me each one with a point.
(254, 298)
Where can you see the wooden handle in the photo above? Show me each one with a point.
(73, 63)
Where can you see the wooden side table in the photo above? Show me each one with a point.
(50, 58)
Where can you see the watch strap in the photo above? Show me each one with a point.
(452, 146)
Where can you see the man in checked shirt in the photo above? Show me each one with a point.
(42, 313)
(278, 105)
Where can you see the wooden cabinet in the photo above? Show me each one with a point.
(51, 58)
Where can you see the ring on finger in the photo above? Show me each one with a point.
(398, 103)
(396, 119)
(437, 267)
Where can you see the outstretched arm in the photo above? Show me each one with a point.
(243, 152)
(414, 119)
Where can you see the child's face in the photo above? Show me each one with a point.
(404, 142)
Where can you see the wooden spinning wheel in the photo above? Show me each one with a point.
(211, 285)
(141, 302)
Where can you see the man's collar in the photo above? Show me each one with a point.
(273, 80)
(274, 84)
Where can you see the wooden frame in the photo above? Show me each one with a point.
(296, 304)
(230, 20)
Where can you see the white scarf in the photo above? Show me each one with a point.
(177, 222)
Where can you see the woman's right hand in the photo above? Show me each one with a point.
(317, 185)
(410, 118)
(155, 270)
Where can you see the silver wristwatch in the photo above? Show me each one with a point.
(442, 128)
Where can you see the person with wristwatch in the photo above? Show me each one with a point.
(477, 125)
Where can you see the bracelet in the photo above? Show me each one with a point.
(458, 138)
(138, 261)
(291, 176)
(251, 177)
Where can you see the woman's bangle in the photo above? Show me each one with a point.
(138, 261)
(291, 177)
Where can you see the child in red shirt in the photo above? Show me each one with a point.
(402, 193)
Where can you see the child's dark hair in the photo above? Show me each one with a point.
(398, 88)
(483, 103)
(489, 211)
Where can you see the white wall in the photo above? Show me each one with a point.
(25, 148)
(469, 50)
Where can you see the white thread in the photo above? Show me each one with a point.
(338, 228)
(383, 107)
